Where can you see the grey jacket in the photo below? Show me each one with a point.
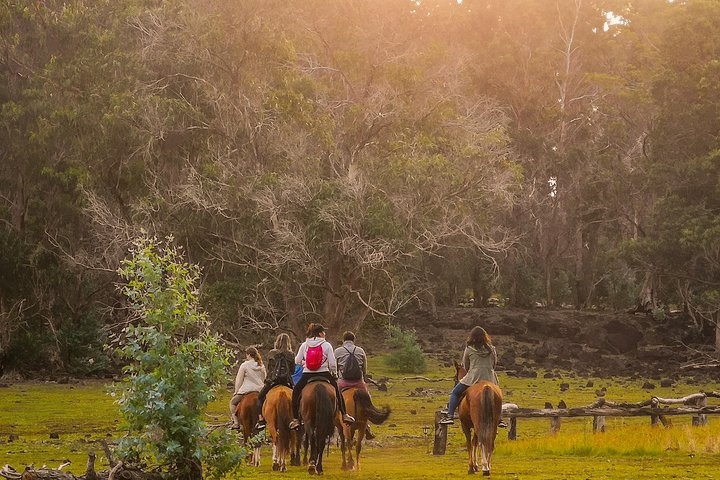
(342, 353)
(480, 365)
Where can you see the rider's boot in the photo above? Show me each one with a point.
(295, 424)
(260, 425)
(348, 418)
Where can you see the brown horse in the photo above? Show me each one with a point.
(318, 407)
(360, 406)
(479, 410)
(247, 412)
(277, 410)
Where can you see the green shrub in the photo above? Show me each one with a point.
(406, 355)
(176, 365)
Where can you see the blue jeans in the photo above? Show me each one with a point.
(455, 398)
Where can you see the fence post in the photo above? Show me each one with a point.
(700, 420)
(598, 424)
(554, 421)
(512, 430)
(441, 433)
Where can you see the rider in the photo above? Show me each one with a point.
(280, 365)
(315, 346)
(249, 378)
(342, 354)
(479, 360)
(352, 372)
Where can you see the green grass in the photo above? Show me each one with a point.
(83, 414)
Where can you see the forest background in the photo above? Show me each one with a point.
(347, 161)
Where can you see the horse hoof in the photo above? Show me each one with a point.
(471, 471)
(276, 467)
(283, 468)
(311, 470)
(486, 473)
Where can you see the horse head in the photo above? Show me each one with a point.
(460, 371)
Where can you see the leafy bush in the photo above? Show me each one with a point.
(176, 364)
(406, 355)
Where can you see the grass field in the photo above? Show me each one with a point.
(84, 413)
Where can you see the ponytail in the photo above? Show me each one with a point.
(253, 352)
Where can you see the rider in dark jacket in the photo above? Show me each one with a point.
(280, 366)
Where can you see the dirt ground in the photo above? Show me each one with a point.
(531, 342)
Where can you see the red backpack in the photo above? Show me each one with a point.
(314, 357)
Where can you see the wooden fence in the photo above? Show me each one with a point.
(657, 408)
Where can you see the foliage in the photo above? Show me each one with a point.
(406, 355)
(176, 363)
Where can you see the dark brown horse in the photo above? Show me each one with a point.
(318, 407)
(247, 412)
(360, 406)
(277, 410)
(479, 410)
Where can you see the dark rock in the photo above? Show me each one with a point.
(590, 384)
(413, 412)
(55, 435)
(667, 382)
(382, 387)
(648, 386)
(564, 387)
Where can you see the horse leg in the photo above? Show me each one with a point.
(312, 442)
(470, 449)
(275, 459)
(358, 445)
(344, 446)
(485, 453)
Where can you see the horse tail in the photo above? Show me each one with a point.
(282, 419)
(489, 427)
(324, 415)
(362, 398)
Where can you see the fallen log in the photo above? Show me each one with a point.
(607, 412)
(118, 472)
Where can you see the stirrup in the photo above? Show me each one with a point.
(260, 425)
(446, 420)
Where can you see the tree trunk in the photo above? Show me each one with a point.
(646, 301)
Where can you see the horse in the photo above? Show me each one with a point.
(277, 410)
(479, 410)
(318, 407)
(359, 405)
(247, 413)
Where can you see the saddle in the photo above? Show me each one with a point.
(318, 379)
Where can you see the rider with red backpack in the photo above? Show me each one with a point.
(317, 357)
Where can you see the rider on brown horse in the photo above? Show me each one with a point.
(352, 368)
(250, 378)
(317, 357)
(280, 365)
(479, 360)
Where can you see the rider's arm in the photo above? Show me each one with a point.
(301, 354)
(239, 378)
(466, 359)
(332, 361)
(364, 364)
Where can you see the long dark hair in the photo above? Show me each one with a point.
(479, 339)
(253, 352)
(314, 330)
